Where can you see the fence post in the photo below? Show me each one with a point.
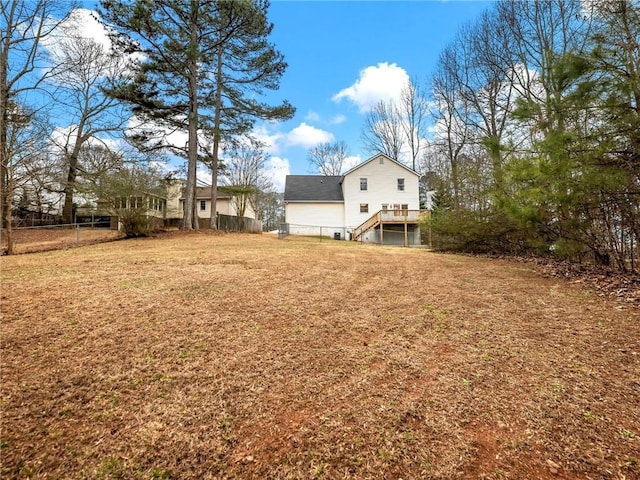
(77, 233)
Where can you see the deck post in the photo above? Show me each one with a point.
(381, 233)
(406, 237)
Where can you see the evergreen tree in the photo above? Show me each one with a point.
(199, 65)
(243, 66)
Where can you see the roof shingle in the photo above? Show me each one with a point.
(313, 188)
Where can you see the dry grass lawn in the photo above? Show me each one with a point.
(29, 240)
(202, 356)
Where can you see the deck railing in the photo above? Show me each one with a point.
(388, 216)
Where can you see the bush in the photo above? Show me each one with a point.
(134, 223)
(478, 232)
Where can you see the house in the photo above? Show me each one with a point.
(168, 210)
(376, 201)
(226, 204)
(149, 205)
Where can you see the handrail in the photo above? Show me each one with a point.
(369, 222)
(387, 216)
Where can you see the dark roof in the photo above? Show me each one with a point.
(313, 188)
(205, 193)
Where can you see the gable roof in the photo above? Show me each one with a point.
(313, 188)
(376, 157)
(204, 193)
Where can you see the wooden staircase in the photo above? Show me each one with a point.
(389, 216)
(371, 223)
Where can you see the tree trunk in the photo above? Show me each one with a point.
(69, 188)
(5, 178)
(216, 138)
(8, 207)
(214, 197)
(190, 220)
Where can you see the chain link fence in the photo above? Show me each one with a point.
(54, 237)
(390, 235)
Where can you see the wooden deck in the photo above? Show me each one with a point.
(395, 216)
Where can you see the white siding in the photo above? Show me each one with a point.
(174, 204)
(307, 218)
(382, 187)
(223, 207)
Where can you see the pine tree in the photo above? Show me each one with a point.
(197, 62)
(243, 65)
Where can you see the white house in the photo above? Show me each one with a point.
(376, 201)
(226, 204)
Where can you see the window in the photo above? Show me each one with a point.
(381, 160)
(401, 184)
(157, 204)
(385, 207)
(363, 184)
(364, 208)
(203, 205)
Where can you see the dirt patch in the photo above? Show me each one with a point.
(243, 356)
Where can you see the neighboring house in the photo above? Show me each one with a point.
(226, 208)
(376, 201)
(226, 204)
(168, 211)
(150, 205)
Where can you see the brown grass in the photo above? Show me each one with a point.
(237, 356)
(30, 240)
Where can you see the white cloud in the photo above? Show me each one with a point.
(81, 23)
(381, 82)
(338, 119)
(85, 24)
(350, 162)
(277, 141)
(65, 137)
(307, 136)
(312, 116)
(271, 139)
(277, 169)
(203, 175)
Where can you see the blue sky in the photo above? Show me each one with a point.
(343, 57)
(363, 49)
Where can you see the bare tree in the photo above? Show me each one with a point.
(383, 130)
(24, 25)
(451, 116)
(270, 209)
(541, 33)
(484, 81)
(328, 158)
(31, 164)
(397, 128)
(243, 173)
(85, 69)
(413, 110)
